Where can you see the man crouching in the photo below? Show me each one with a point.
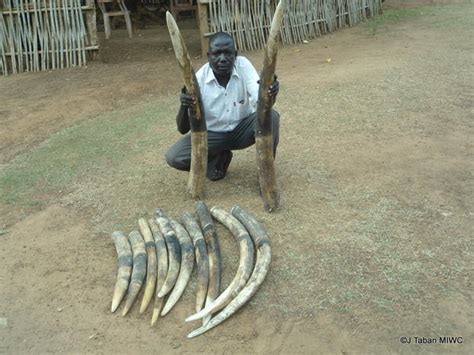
(229, 92)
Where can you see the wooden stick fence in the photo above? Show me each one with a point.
(38, 35)
(248, 21)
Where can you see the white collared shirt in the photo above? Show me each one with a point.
(223, 107)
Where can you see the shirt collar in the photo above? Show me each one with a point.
(210, 74)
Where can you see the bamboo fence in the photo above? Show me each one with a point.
(248, 21)
(38, 35)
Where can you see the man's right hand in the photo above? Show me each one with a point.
(186, 100)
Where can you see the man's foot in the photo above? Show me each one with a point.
(222, 166)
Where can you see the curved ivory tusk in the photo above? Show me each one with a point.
(162, 257)
(263, 123)
(150, 283)
(174, 252)
(197, 122)
(124, 267)
(138, 271)
(187, 264)
(262, 265)
(213, 253)
(202, 262)
(245, 264)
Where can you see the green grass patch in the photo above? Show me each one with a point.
(447, 16)
(97, 146)
(391, 17)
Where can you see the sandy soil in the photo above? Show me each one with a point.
(374, 237)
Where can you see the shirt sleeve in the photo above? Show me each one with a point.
(200, 74)
(251, 81)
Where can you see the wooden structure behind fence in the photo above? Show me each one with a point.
(248, 21)
(49, 34)
(40, 35)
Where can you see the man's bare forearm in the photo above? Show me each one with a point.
(182, 120)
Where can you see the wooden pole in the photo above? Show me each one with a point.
(203, 24)
(263, 132)
(197, 122)
(91, 22)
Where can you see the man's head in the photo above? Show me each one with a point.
(222, 53)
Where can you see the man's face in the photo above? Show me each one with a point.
(221, 55)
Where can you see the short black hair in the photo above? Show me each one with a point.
(220, 34)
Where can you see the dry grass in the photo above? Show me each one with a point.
(374, 164)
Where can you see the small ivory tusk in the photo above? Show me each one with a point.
(187, 264)
(213, 253)
(124, 267)
(202, 261)
(138, 271)
(174, 252)
(152, 269)
(162, 257)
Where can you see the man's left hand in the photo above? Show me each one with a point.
(274, 88)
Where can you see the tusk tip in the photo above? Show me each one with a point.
(154, 317)
(195, 316)
(195, 333)
(191, 318)
(164, 312)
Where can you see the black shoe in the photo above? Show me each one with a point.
(222, 166)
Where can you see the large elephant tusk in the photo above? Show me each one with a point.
(139, 269)
(245, 264)
(174, 252)
(263, 126)
(202, 261)
(264, 256)
(187, 264)
(162, 257)
(213, 253)
(152, 269)
(197, 173)
(124, 267)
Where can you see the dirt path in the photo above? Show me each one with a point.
(374, 237)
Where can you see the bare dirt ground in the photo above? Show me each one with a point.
(374, 237)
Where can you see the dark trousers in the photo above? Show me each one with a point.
(243, 136)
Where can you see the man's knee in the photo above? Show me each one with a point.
(174, 161)
(275, 123)
(275, 119)
(275, 130)
(170, 159)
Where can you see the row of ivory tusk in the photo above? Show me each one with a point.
(161, 255)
